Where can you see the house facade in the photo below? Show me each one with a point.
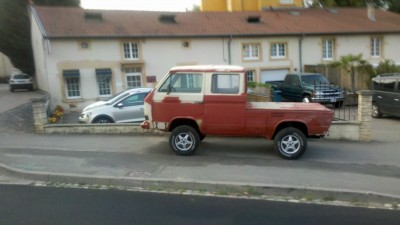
(82, 56)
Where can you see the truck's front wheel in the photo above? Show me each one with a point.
(290, 143)
(184, 140)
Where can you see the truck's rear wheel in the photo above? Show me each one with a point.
(290, 143)
(184, 140)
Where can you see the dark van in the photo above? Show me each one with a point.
(386, 97)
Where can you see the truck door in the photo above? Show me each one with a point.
(292, 88)
(224, 104)
(180, 94)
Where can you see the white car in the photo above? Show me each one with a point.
(126, 107)
(20, 81)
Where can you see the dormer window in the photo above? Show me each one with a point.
(167, 18)
(95, 17)
(253, 19)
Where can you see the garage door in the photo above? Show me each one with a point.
(273, 75)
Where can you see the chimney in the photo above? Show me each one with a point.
(371, 11)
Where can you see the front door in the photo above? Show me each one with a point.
(130, 109)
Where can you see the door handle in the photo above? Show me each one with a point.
(380, 97)
(396, 99)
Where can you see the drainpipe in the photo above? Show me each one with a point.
(229, 50)
(301, 52)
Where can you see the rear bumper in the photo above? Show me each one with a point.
(145, 125)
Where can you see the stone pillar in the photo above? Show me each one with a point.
(39, 114)
(364, 114)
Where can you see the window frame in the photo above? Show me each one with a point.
(275, 51)
(251, 51)
(328, 48)
(182, 82)
(131, 50)
(376, 48)
(233, 78)
(253, 75)
(68, 86)
(109, 86)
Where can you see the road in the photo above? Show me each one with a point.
(48, 205)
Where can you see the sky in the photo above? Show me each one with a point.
(146, 5)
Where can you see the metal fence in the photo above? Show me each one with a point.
(348, 110)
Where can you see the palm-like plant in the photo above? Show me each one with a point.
(351, 63)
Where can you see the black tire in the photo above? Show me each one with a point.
(338, 104)
(184, 140)
(306, 98)
(290, 143)
(202, 136)
(376, 111)
(103, 120)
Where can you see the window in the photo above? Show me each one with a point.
(183, 83)
(251, 51)
(278, 50)
(250, 75)
(72, 83)
(388, 84)
(104, 81)
(133, 77)
(225, 83)
(136, 99)
(375, 47)
(327, 49)
(131, 50)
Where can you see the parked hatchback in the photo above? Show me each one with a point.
(20, 81)
(126, 107)
(386, 97)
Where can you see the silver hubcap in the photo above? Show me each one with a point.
(184, 141)
(290, 144)
(375, 111)
(102, 121)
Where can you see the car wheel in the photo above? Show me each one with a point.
(103, 120)
(338, 104)
(184, 140)
(290, 143)
(376, 112)
(306, 98)
(202, 136)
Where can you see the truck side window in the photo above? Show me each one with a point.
(183, 83)
(388, 84)
(225, 83)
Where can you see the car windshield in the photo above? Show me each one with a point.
(314, 79)
(21, 76)
(117, 97)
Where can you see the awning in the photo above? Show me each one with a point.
(71, 73)
(103, 72)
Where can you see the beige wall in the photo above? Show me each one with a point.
(5, 66)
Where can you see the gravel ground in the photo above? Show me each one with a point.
(18, 119)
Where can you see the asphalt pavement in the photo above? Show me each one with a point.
(331, 171)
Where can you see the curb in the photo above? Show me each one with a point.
(225, 189)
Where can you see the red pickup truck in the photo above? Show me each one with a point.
(194, 101)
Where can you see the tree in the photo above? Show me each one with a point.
(351, 63)
(15, 36)
(393, 5)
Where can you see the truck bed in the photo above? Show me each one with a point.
(287, 106)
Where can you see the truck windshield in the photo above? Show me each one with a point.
(314, 79)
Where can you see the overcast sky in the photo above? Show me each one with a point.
(147, 5)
